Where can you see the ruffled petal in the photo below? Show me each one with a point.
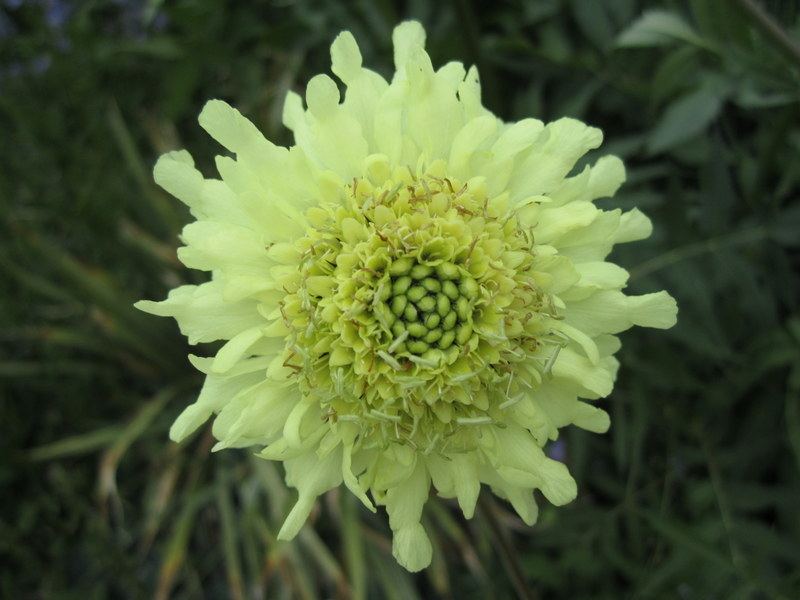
(312, 476)
(411, 546)
(202, 313)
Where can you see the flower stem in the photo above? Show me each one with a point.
(772, 29)
(509, 558)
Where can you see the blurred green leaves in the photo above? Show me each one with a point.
(658, 28)
(685, 118)
(692, 494)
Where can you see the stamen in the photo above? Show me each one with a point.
(379, 415)
(408, 382)
(474, 420)
(432, 444)
(462, 377)
(512, 401)
(397, 341)
(390, 359)
(550, 361)
(422, 361)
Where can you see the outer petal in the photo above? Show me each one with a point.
(522, 463)
(202, 314)
(612, 312)
(216, 393)
(411, 545)
(364, 87)
(312, 476)
(552, 157)
(254, 415)
(457, 476)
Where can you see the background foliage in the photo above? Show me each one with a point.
(693, 494)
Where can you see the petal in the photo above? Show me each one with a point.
(203, 315)
(333, 138)
(466, 144)
(211, 245)
(236, 348)
(595, 379)
(563, 408)
(523, 463)
(516, 138)
(346, 57)
(633, 225)
(312, 477)
(602, 275)
(556, 150)
(554, 222)
(238, 134)
(405, 37)
(254, 416)
(521, 498)
(364, 87)
(411, 546)
(456, 476)
(607, 175)
(175, 173)
(216, 393)
(469, 93)
(613, 311)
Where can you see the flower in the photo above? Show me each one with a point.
(413, 295)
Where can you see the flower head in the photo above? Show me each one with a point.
(413, 295)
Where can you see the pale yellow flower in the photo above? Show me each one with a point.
(414, 294)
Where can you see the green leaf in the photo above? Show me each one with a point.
(685, 118)
(658, 28)
(76, 444)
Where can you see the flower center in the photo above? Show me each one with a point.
(427, 309)
(413, 304)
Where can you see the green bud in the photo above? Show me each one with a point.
(401, 285)
(427, 304)
(464, 333)
(450, 290)
(462, 308)
(398, 328)
(384, 291)
(399, 305)
(449, 320)
(420, 271)
(417, 347)
(433, 335)
(447, 339)
(417, 330)
(432, 321)
(431, 284)
(442, 305)
(410, 313)
(416, 293)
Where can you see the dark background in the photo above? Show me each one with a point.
(693, 494)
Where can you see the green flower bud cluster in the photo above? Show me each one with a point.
(427, 309)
